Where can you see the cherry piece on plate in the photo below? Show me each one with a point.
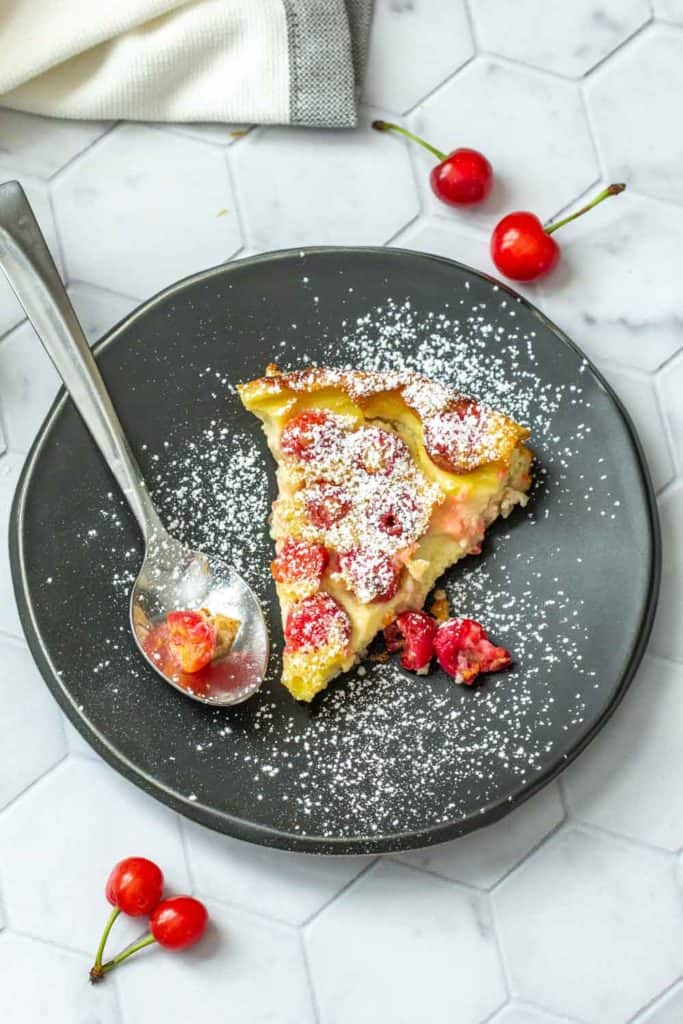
(461, 178)
(412, 633)
(463, 650)
(326, 504)
(311, 435)
(523, 249)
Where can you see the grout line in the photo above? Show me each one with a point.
(186, 853)
(467, 887)
(670, 441)
(243, 908)
(600, 830)
(35, 782)
(516, 63)
(437, 88)
(546, 839)
(64, 947)
(340, 892)
(232, 185)
(77, 156)
(315, 1006)
(406, 226)
(597, 67)
(502, 955)
(76, 282)
(593, 133)
(653, 1002)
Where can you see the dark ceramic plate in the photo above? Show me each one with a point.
(382, 761)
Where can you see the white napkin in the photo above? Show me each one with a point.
(233, 61)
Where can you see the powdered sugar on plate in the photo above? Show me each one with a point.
(385, 752)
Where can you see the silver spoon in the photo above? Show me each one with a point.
(172, 576)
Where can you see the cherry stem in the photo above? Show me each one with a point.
(387, 126)
(105, 935)
(611, 190)
(146, 940)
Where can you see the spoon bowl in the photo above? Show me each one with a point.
(173, 577)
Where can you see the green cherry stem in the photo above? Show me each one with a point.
(97, 966)
(611, 190)
(146, 940)
(387, 126)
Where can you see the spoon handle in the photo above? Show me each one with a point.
(30, 270)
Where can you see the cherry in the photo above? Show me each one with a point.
(310, 435)
(412, 633)
(371, 575)
(327, 504)
(178, 922)
(522, 248)
(453, 438)
(134, 886)
(300, 560)
(461, 178)
(192, 639)
(378, 451)
(463, 650)
(316, 622)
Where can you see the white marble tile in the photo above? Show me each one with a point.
(219, 134)
(31, 735)
(244, 969)
(637, 392)
(404, 946)
(567, 38)
(41, 145)
(532, 128)
(11, 313)
(143, 208)
(667, 1010)
(97, 309)
(592, 926)
(287, 886)
(28, 386)
(667, 638)
(484, 856)
(44, 984)
(518, 1013)
(636, 113)
(305, 187)
(615, 289)
(413, 48)
(630, 779)
(10, 468)
(670, 385)
(76, 824)
(669, 10)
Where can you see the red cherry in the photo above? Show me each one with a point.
(134, 886)
(461, 178)
(178, 922)
(326, 504)
(371, 575)
(465, 177)
(191, 639)
(521, 247)
(316, 622)
(453, 438)
(463, 650)
(311, 435)
(412, 633)
(300, 560)
(378, 451)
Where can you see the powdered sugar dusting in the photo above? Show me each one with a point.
(383, 751)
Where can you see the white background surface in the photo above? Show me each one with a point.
(570, 909)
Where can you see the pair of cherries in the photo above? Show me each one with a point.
(521, 247)
(135, 888)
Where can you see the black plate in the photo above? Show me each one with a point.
(382, 761)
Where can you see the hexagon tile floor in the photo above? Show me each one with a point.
(568, 911)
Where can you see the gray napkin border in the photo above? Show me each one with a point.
(328, 45)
